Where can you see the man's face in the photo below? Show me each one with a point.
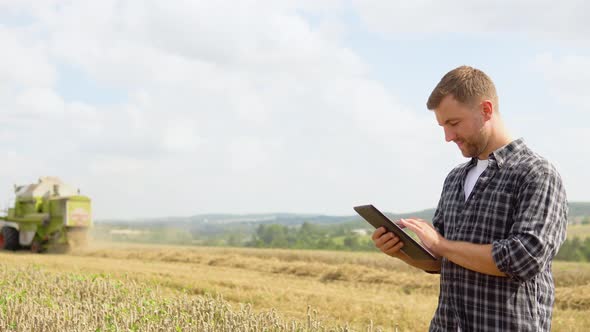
(463, 124)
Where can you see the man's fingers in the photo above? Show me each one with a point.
(386, 242)
(410, 221)
(417, 221)
(378, 232)
(394, 249)
(383, 239)
(411, 224)
(418, 224)
(389, 243)
(400, 224)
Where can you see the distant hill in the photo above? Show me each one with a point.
(579, 209)
(265, 218)
(219, 229)
(228, 219)
(208, 224)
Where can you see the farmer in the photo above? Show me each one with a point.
(500, 220)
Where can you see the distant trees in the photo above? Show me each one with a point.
(349, 237)
(575, 249)
(309, 236)
(346, 237)
(272, 236)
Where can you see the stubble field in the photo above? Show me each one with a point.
(115, 287)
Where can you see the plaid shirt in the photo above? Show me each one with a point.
(519, 206)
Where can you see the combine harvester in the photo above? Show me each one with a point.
(47, 215)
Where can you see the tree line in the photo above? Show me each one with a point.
(575, 250)
(346, 236)
(310, 236)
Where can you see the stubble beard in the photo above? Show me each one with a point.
(474, 146)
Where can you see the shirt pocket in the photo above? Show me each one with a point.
(490, 217)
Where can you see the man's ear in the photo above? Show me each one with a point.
(487, 109)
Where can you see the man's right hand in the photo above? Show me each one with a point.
(387, 242)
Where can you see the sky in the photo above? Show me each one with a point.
(177, 108)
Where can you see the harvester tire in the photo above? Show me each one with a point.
(10, 235)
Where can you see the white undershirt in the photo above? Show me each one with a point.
(473, 175)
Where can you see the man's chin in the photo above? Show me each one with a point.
(466, 154)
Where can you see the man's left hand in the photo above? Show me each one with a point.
(427, 234)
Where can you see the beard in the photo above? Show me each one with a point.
(473, 146)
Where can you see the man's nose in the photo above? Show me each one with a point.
(449, 135)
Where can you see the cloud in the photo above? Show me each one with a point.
(228, 106)
(180, 136)
(40, 102)
(568, 77)
(248, 153)
(567, 19)
(24, 63)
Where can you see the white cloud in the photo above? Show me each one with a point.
(568, 78)
(113, 168)
(180, 136)
(249, 153)
(564, 138)
(563, 20)
(224, 96)
(24, 62)
(237, 106)
(40, 102)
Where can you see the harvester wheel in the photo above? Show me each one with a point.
(10, 235)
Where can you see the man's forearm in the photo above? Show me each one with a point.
(475, 257)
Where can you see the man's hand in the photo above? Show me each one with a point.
(387, 242)
(476, 257)
(390, 244)
(430, 238)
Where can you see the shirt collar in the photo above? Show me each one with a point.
(502, 154)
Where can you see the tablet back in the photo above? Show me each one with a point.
(411, 247)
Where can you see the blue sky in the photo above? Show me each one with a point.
(192, 107)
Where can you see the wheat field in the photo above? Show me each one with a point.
(117, 287)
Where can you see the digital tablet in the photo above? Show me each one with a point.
(377, 219)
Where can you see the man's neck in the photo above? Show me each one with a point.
(498, 139)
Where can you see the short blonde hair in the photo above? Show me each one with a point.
(466, 84)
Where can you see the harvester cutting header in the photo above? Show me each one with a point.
(47, 214)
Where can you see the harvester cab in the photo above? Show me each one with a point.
(47, 214)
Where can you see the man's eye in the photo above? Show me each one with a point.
(454, 123)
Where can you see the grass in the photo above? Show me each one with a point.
(346, 288)
(33, 300)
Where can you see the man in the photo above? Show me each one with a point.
(500, 220)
